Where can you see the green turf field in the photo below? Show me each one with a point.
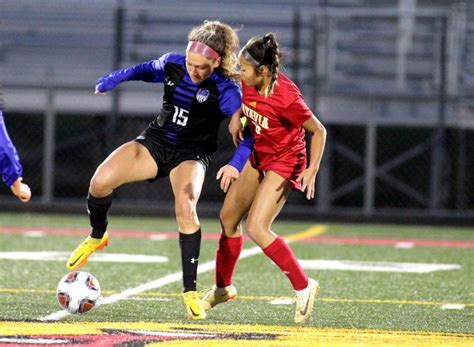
(356, 300)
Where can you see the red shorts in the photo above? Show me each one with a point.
(289, 165)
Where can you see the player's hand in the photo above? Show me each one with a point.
(235, 130)
(99, 93)
(229, 174)
(104, 84)
(308, 182)
(21, 190)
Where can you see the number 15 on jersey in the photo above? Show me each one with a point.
(180, 116)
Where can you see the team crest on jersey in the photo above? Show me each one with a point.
(202, 95)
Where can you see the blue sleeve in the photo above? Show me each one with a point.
(150, 71)
(242, 153)
(10, 166)
(230, 98)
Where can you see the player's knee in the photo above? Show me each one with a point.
(185, 211)
(225, 217)
(101, 183)
(228, 221)
(254, 228)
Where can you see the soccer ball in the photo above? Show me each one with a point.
(78, 292)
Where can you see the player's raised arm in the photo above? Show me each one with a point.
(150, 71)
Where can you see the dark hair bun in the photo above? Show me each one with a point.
(269, 41)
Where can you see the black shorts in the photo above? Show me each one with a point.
(167, 159)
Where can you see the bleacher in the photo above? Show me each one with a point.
(468, 61)
(71, 44)
(55, 42)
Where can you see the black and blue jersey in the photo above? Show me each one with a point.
(191, 113)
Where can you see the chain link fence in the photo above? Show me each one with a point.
(387, 80)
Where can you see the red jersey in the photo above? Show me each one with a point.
(276, 123)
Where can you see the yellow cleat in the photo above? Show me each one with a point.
(82, 253)
(216, 295)
(193, 306)
(305, 301)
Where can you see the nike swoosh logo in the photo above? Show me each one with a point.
(75, 261)
(194, 313)
(303, 312)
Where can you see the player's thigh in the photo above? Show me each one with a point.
(186, 181)
(269, 199)
(241, 193)
(131, 162)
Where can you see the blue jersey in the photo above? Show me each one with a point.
(191, 113)
(10, 166)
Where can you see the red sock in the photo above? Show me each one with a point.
(227, 255)
(283, 256)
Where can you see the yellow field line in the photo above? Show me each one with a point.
(260, 298)
(313, 231)
(25, 290)
(393, 302)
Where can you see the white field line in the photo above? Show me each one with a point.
(282, 302)
(18, 341)
(377, 266)
(101, 257)
(453, 307)
(174, 277)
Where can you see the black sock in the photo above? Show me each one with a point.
(190, 245)
(98, 208)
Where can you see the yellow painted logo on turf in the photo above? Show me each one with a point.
(163, 334)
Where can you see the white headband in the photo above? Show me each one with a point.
(247, 56)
